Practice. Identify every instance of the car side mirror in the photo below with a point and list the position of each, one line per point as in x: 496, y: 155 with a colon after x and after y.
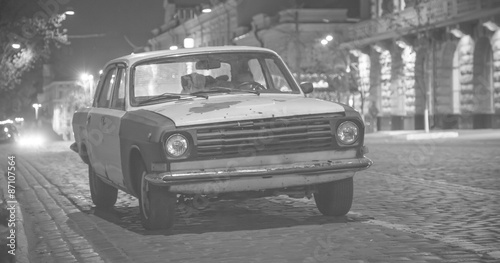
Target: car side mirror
x: 307, y: 87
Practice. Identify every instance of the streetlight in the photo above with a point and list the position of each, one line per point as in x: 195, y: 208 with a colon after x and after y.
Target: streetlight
x: 69, y: 11
x: 206, y: 9
x: 16, y: 46
x: 188, y: 42
x: 36, y: 106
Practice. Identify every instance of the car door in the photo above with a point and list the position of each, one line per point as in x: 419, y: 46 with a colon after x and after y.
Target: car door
x: 96, y: 122
x: 111, y: 126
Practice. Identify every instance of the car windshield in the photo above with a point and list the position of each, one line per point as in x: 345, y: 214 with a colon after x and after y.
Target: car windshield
x: 212, y: 74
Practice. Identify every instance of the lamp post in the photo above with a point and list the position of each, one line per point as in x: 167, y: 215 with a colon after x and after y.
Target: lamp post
x: 36, y: 106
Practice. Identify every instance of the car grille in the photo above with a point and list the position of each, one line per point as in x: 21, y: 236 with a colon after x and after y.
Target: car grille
x: 264, y: 137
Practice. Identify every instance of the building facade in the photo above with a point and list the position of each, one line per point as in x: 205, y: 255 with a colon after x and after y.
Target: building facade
x: 59, y: 100
x: 439, y: 56
x: 411, y: 60
x: 291, y: 28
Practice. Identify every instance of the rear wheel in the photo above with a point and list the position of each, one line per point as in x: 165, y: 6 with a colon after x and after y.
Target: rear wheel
x: 335, y: 198
x: 156, y: 203
x: 103, y: 195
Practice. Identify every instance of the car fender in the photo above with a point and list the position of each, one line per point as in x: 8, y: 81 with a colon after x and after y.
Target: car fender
x: 141, y: 130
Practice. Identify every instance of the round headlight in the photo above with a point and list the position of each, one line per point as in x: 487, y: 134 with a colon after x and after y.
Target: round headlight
x: 347, y: 133
x: 176, y: 145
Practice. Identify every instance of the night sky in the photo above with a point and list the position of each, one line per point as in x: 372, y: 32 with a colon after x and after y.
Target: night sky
x: 116, y: 19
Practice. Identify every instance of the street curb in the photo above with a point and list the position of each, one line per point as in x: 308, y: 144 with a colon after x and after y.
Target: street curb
x: 432, y: 135
x: 414, y: 135
x: 21, y: 238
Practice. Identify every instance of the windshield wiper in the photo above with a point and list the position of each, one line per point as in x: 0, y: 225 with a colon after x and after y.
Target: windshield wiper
x: 226, y: 90
x: 168, y: 95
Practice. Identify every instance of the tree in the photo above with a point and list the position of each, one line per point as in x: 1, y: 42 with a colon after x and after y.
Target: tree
x: 27, y: 40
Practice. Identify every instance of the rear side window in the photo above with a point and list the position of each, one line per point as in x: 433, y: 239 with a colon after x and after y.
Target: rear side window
x: 106, y: 89
x: 118, y: 101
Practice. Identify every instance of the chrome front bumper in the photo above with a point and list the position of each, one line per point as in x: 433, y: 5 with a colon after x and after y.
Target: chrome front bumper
x: 255, y: 178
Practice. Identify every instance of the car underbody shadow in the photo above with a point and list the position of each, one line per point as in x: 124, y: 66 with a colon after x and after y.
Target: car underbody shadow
x: 226, y: 216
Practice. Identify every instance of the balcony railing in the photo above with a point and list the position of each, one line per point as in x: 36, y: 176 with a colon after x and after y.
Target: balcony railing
x: 428, y: 15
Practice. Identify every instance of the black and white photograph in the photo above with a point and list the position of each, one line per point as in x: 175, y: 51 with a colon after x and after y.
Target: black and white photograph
x: 283, y: 131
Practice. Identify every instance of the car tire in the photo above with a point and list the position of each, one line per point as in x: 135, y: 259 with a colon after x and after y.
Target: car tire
x: 156, y: 203
x: 335, y: 198
x: 103, y: 195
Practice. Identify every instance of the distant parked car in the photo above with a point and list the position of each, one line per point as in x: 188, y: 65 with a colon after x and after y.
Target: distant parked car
x: 220, y: 121
x: 8, y: 133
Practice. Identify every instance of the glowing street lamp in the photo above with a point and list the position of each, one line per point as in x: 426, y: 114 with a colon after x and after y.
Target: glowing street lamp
x: 86, y: 76
x: 188, y: 42
x: 69, y: 11
x: 36, y: 106
x: 174, y: 47
x: 16, y: 46
x: 206, y: 9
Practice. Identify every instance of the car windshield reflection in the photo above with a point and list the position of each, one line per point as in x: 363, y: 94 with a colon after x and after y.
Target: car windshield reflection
x: 224, y: 72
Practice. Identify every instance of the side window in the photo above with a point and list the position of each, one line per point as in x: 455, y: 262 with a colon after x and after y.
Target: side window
x: 118, y: 101
x: 256, y: 70
x: 106, y: 88
x: 279, y: 80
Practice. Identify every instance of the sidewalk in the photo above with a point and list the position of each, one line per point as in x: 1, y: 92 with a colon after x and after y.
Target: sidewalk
x: 413, y: 135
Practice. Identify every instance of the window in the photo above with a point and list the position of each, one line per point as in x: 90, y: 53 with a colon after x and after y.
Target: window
x: 256, y: 69
x: 106, y: 88
x: 203, y: 72
x: 279, y: 80
x: 118, y: 101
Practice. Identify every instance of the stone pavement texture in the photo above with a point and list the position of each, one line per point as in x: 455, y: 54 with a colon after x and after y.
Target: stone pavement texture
x: 432, y: 201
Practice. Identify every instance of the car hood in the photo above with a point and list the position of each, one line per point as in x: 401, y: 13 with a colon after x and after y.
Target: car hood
x: 224, y: 108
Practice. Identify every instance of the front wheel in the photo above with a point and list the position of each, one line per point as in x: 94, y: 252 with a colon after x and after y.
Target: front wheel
x: 156, y: 203
x: 335, y: 198
x: 103, y: 195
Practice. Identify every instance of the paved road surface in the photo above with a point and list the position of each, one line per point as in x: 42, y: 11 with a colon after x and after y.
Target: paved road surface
x: 422, y: 201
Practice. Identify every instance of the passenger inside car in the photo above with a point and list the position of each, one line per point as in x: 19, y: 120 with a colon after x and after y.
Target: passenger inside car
x: 193, y: 82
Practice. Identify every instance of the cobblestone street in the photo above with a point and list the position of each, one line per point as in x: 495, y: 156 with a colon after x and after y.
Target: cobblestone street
x: 421, y: 201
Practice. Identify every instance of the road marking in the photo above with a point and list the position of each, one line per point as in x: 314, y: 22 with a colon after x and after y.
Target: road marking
x: 454, y: 241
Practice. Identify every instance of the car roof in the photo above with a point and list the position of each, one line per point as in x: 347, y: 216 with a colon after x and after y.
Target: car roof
x: 135, y: 57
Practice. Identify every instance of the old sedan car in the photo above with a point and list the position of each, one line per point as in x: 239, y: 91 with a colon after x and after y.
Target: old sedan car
x: 219, y: 122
